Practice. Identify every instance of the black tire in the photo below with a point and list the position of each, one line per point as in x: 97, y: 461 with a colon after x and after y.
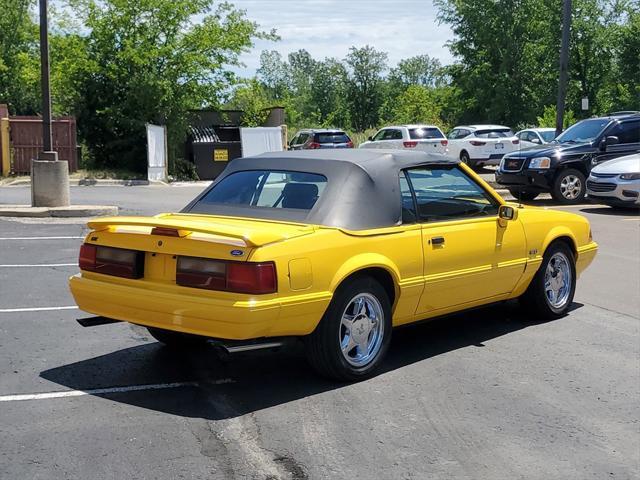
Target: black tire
x: 466, y: 159
x: 323, y: 345
x: 561, y: 194
x: 176, y: 340
x: 526, y: 195
x: 535, y: 299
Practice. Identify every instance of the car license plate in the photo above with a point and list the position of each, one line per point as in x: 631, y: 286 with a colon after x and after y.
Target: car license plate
x: 499, y: 146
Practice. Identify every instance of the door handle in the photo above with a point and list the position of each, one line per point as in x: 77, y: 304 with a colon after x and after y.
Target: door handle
x: 437, y: 240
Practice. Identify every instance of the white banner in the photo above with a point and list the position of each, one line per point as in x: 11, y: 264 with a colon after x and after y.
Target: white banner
x: 156, y: 152
x: 260, y: 140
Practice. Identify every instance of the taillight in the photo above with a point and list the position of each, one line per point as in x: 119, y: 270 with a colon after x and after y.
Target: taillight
x: 349, y: 144
x: 240, y: 277
x: 314, y: 145
x: 118, y: 262
x: 515, y: 142
x: 409, y: 144
x: 476, y: 143
x: 167, y: 232
x: 87, y: 259
x: 444, y: 143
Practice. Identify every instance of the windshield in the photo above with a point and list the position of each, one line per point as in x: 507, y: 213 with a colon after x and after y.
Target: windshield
x: 549, y: 135
x: 265, y: 188
x: 584, y: 131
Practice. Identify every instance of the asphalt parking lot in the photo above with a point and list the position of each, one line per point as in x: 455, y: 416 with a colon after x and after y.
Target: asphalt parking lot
x: 483, y: 394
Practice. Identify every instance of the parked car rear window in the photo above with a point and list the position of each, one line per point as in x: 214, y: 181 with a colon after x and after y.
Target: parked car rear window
x: 494, y: 133
x: 548, y: 135
x: 267, y: 188
x: 333, y: 137
x: 424, y: 133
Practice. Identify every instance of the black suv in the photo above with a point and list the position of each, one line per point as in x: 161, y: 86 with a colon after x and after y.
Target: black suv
x: 320, y: 138
x: 562, y: 166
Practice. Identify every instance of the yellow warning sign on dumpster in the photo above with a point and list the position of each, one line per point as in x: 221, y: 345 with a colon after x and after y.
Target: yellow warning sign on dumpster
x: 221, y: 155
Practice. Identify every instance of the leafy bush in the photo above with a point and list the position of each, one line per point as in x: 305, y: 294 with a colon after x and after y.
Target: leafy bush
x: 184, y: 170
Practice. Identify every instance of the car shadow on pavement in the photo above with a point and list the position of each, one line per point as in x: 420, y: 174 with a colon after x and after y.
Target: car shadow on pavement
x: 249, y: 382
x: 620, y: 212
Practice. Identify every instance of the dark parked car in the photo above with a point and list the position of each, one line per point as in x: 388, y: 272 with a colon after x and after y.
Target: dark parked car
x: 320, y: 138
x: 562, y: 166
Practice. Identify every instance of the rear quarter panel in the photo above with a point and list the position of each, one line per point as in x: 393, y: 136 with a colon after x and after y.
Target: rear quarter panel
x: 333, y: 255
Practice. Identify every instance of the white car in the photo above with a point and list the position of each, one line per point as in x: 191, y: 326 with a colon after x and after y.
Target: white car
x: 534, y: 137
x: 616, y: 182
x: 426, y: 138
x: 478, y: 145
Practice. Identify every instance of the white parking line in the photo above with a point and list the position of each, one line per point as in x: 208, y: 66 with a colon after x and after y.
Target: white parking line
x: 104, y: 391
x: 40, y: 238
x: 36, y: 309
x: 41, y: 265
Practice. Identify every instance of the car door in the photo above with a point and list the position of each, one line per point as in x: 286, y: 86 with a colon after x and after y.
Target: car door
x: 293, y: 142
x: 469, y: 257
x: 393, y: 139
x: 377, y: 139
x: 454, y: 143
x: 628, y: 135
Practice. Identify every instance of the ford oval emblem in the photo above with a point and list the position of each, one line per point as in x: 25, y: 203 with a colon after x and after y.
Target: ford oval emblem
x: 237, y: 253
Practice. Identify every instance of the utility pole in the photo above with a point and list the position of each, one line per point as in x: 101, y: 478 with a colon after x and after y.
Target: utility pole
x: 49, y: 176
x: 44, y: 77
x: 564, y: 65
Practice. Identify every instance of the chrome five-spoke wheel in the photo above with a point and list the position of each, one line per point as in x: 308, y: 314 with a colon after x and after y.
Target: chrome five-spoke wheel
x: 557, y: 280
x: 353, y: 336
x: 361, y: 330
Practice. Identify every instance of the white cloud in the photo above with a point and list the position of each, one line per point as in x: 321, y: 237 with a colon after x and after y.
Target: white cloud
x: 328, y: 28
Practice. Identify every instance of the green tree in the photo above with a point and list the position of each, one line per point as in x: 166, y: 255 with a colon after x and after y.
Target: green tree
x: 149, y: 61
x: 419, y: 70
x: 416, y: 104
x: 251, y: 97
x: 19, y: 57
x: 366, y: 67
x: 507, y: 57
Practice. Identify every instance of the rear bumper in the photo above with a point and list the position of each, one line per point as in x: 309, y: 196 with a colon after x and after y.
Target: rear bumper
x: 531, y: 179
x: 227, y: 318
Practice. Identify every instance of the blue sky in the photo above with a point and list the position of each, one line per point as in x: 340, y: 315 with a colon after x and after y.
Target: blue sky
x: 327, y: 28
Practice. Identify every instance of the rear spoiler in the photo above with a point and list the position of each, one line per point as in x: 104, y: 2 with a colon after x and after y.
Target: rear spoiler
x: 251, y: 237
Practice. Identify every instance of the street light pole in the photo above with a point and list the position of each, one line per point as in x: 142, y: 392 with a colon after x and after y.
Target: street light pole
x: 44, y: 77
x: 564, y: 65
x: 49, y: 176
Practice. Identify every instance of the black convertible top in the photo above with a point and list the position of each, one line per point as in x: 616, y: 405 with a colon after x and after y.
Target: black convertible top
x: 362, y: 192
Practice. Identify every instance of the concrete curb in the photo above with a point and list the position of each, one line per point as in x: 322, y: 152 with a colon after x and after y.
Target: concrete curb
x: 88, y: 182
x: 60, y: 212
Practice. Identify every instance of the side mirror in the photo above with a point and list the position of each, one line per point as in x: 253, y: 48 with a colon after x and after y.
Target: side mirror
x: 370, y: 138
x: 536, y: 140
x: 507, y: 212
x: 610, y: 140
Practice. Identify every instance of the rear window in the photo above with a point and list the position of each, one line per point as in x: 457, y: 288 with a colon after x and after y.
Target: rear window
x: 332, y: 137
x: 267, y: 188
x: 547, y: 136
x: 424, y: 133
x: 494, y: 133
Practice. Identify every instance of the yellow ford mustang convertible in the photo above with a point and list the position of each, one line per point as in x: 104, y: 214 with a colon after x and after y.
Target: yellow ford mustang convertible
x: 334, y: 247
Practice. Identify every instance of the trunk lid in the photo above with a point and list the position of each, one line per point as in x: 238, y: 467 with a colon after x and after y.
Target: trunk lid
x: 229, y: 230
